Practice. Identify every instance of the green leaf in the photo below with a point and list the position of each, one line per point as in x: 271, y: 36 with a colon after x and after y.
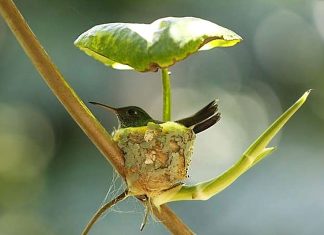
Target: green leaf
x: 254, y: 154
x: 148, y: 47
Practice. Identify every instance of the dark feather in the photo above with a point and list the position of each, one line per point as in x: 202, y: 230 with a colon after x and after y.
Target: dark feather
x: 203, y: 119
x: 207, y: 123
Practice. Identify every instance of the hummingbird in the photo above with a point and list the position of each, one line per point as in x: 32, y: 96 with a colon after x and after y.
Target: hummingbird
x: 133, y: 116
x: 168, y: 174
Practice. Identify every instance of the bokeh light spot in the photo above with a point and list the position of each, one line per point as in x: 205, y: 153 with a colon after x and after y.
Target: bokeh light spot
x: 289, y: 49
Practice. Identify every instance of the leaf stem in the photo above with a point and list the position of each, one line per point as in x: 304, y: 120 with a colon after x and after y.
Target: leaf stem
x: 74, y: 105
x: 166, y: 94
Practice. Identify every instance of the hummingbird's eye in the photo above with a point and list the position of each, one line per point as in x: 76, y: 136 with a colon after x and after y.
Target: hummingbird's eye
x: 132, y: 112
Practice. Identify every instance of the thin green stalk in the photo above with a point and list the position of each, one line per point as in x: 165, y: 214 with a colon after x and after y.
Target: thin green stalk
x: 166, y: 94
x: 74, y: 105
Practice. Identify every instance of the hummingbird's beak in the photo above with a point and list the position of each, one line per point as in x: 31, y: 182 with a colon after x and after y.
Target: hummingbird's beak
x: 104, y: 106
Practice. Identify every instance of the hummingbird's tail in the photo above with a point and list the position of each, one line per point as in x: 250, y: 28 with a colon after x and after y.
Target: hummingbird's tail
x: 203, y: 119
x: 207, y: 123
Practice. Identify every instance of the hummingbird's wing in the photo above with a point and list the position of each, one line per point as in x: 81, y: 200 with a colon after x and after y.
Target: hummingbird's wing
x: 203, y: 119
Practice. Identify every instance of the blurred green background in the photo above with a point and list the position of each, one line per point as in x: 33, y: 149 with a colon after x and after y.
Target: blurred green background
x: 52, y: 178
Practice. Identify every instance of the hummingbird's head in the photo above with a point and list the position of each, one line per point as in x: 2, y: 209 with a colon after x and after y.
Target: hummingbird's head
x: 130, y: 116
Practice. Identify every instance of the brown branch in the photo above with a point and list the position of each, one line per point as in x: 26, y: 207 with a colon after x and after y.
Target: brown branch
x: 103, y: 209
x: 171, y: 221
x: 74, y: 105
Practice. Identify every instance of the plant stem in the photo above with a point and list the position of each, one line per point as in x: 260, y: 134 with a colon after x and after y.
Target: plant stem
x: 171, y: 221
x: 54, y: 79
x: 166, y: 95
x: 103, y: 209
x: 74, y: 105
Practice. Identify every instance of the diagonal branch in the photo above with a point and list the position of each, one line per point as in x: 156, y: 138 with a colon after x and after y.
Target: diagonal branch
x: 54, y: 79
x: 73, y: 104
x: 103, y: 209
x: 171, y: 220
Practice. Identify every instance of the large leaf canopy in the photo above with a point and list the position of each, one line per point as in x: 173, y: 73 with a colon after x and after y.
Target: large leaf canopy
x: 148, y: 47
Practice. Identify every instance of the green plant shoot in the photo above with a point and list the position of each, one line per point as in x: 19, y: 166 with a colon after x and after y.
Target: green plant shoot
x: 254, y: 154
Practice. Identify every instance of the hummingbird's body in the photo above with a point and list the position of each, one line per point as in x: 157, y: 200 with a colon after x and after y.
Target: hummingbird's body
x: 133, y: 116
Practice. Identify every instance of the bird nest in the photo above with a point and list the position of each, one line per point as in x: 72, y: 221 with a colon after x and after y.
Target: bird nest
x: 157, y: 156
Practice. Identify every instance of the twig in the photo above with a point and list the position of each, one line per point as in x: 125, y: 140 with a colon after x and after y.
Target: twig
x: 103, y: 209
x: 171, y: 221
x: 74, y: 105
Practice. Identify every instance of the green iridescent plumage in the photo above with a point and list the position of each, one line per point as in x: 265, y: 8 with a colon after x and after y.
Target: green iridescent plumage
x: 133, y: 116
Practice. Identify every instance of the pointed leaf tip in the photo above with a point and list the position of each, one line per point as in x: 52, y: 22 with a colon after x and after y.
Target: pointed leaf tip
x: 148, y: 47
x: 306, y: 94
x: 253, y: 155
